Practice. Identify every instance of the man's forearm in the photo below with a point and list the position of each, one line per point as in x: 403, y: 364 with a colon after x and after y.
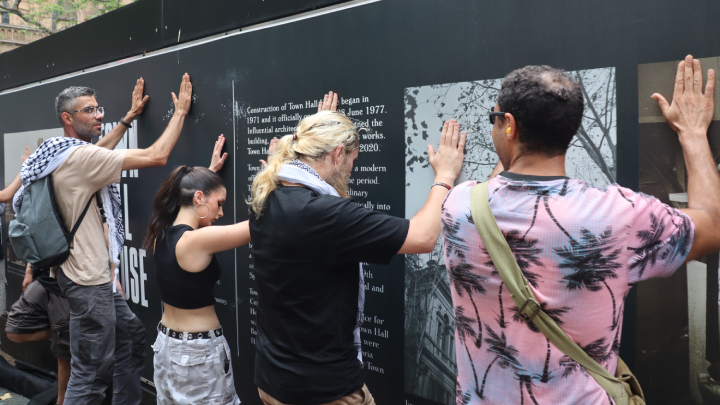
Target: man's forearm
x: 425, y: 226
x: 162, y: 148
x: 7, y: 194
x: 113, y: 137
x: 428, y: 218
x: 703, y: 180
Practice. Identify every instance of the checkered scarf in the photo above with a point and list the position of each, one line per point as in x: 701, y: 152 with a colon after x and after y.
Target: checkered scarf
x: 301, y: 173
x: 48, y: 157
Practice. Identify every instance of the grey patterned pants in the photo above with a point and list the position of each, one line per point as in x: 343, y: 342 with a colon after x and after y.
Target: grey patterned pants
x: 189, y: 372
x: 107, y: 343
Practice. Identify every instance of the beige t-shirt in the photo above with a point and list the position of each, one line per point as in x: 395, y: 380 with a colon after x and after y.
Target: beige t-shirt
x: 79, y: 177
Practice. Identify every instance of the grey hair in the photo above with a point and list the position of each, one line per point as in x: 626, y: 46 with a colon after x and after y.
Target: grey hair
x: 65, y: 101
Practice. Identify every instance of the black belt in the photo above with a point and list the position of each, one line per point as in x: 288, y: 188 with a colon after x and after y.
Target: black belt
x: 191, y: 336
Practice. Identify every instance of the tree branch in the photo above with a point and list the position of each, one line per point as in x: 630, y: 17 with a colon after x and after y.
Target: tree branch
x: 594, y: 153
x: 605, y: 131
x: 51, y: 9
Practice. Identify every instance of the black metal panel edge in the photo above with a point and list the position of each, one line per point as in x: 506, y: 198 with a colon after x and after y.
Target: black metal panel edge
x: 3, y: 70
x: 143, y: 26
x: 187, y: 20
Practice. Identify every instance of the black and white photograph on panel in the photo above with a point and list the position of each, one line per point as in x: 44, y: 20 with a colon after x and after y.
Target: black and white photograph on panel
x: 430, y: 341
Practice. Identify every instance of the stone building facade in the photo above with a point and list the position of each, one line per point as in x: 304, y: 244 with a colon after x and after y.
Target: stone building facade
x: 430, y: 365
x: 15, y: 32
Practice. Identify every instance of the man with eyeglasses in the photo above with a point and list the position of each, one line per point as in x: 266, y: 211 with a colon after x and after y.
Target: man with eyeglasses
x: 107, y: 340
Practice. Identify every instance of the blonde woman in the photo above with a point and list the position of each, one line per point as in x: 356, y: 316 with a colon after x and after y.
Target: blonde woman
x: 308, y: 242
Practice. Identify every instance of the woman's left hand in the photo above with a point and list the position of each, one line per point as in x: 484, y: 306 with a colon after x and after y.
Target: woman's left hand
x: 218, y: 158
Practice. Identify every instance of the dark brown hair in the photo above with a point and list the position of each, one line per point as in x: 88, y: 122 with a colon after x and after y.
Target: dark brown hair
x: 547, y: 104
x: 177, y: 191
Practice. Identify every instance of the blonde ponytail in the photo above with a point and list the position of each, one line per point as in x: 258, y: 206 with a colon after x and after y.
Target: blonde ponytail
x: 315, y: 137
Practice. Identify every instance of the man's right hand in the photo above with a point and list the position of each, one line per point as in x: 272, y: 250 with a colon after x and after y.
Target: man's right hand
x: 28, y: 277
x: 425, y: 226
x: 691, y: 111
x: 182, y: 103
x: 448, y: 160
x: 26, y: 282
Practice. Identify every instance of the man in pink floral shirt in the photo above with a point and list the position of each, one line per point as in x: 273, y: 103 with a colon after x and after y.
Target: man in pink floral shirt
x: 580, y: 248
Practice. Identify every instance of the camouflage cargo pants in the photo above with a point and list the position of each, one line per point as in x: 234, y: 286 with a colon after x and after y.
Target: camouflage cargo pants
x: 189, y: 372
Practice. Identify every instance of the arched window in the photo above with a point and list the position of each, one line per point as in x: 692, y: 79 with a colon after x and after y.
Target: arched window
x: 446, y: 334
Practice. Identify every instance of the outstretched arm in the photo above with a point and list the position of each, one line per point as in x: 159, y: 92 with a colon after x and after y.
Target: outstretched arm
x: 111, y: 140
x: 7, y: 194
x: 195, y: 249
x: 159, y: 152
x: 690, y: 115
x: 447, y: 163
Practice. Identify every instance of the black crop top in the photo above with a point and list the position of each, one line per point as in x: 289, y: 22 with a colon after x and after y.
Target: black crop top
x: 179, y: 288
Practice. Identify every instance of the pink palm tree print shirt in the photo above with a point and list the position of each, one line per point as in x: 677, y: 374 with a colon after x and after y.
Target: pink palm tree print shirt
x: 581, y: 249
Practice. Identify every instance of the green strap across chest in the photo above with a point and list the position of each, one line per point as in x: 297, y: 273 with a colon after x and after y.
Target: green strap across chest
x: 524, y: 298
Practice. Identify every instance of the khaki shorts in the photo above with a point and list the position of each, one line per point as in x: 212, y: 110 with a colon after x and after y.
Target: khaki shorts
x: 359, y: 397
x: 36, y: 310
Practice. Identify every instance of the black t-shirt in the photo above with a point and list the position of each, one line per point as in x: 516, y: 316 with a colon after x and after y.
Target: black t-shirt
x: 307, y: 248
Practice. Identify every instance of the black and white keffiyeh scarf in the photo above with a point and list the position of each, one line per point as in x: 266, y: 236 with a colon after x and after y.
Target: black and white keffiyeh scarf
x: 48, y: 157
x: 301, y: 173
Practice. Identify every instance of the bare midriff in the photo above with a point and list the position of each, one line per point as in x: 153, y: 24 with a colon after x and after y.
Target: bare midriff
x: 190, y: 320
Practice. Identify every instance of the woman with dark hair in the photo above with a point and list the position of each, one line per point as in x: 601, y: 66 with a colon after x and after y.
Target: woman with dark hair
x: 192, y: 357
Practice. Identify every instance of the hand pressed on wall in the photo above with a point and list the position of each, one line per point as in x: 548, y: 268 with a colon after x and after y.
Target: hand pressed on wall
x: 691, y: 111
x: 182, y: 102
x: 138, y: 100
x: 218, y: 158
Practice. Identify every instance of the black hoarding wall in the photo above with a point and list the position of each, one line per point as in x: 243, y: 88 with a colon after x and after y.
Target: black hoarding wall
x: 139, y: 27
x: 400, y: 67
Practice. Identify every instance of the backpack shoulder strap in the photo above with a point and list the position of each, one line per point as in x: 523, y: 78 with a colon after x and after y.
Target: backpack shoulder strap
x: 71, y: 236
x: 53, y: 201
x: 524, y: 298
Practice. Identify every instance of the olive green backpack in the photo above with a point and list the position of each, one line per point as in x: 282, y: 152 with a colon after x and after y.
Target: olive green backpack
x: 623, y: 388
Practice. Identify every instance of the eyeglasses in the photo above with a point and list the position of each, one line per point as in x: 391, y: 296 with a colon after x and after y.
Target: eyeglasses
x: 494, y: 114
x: 90, y: 110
